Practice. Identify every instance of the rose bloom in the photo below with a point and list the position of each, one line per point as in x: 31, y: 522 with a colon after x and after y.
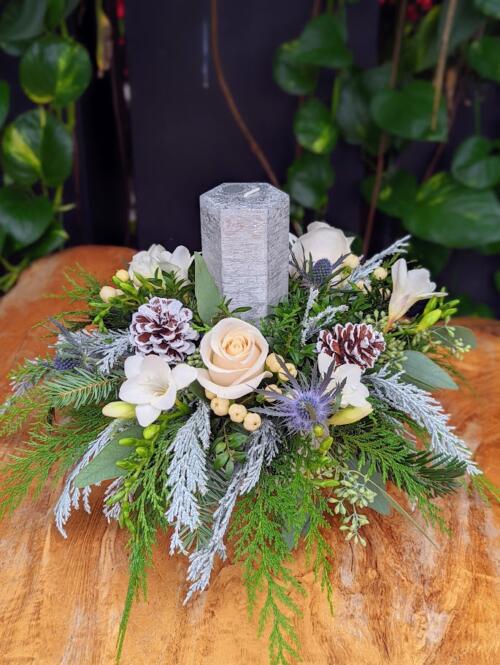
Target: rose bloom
x: 234, y: 353
x: 321, y: 241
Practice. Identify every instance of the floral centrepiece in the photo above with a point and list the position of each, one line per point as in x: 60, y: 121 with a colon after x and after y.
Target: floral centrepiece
x: 261, y: 434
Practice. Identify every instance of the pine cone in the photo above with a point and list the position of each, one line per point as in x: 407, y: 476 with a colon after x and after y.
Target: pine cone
x: 354, y: 343
x: 162, y: 327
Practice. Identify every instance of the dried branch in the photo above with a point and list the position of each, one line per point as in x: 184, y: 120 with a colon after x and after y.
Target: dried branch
x: 441, y: 64
x: 228, y: 96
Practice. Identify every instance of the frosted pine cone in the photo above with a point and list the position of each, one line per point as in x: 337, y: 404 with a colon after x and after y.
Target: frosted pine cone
x: 162, y: 326
x: 354, y: 343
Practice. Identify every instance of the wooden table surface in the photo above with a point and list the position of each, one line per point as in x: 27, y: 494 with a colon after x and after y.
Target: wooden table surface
x: 398, y: 602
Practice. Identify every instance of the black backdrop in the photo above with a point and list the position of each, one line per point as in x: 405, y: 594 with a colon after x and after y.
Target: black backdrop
x: 184, y: 140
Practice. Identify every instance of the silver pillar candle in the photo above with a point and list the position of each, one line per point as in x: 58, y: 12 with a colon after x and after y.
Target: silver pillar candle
x: 244, y: 235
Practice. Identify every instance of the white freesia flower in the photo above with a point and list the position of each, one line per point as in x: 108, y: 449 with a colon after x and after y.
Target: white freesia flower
x: 408, y: 286
x: 354, y: 393
x: 321, y: 241
x: 147, y: 262
x: 152, y: 386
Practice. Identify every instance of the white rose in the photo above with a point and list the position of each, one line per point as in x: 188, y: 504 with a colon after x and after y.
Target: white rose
x: 321, y: 241
x: 354, y: 393
x: 234, y: 353
x: 147, y: 262
x: 408, y: 286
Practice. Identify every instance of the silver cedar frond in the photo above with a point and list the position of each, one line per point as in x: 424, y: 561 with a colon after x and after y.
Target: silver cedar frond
x: 262, y: 448
x: 365, y: 269
x: 313, y: 294
x: 112, y: 511
x: 313, y: 324
x: 99, y: 350
x: 71, y: 495
x: 426, y: 411
x: 187, y: 474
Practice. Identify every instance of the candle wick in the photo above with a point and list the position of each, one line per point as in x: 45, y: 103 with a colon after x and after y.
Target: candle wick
x: 251, y: 192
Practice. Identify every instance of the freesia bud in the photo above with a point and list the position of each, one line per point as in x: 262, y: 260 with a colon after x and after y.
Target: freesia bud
x: 119, y: 410
x: 429, y: 320
x: 108, y: 292
x: 351, y: 414
x: 122, y: 275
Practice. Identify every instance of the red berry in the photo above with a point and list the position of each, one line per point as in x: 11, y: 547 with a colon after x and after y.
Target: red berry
x: 412, y: 13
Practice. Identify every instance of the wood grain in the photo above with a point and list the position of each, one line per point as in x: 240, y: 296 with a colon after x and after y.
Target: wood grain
x: 399, y: 602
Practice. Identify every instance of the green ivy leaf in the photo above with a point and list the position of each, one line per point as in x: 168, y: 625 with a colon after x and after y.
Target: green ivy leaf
x: 353, y: 115
x: 291, y: 75
x: 314, y: 128
x: 55, y: 70
x: 309, y: 179
x: 24, y: 216
x: 323, y: 43
x: 452, y: 215
x: 20, y: 22
x: 422, y: 51
x: 423, y: 372
x: 407, y: 112
x: 484, y: 56
x: 431, y: 256
x: 470, y: 307
x: 474, y: 166
x: 208, y: 297
x: 103, y: 466
x: 488, y: 7
x: 57, y: 10
x: 397, y: 193
x: 37, y: 146
x: 4, y: 101
x: 53, y: 238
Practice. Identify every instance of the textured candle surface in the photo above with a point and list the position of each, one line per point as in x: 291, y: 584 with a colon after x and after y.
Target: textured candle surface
x: 244, y: 232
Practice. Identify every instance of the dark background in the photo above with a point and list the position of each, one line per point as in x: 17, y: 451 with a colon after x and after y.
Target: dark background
x: 142, y: 166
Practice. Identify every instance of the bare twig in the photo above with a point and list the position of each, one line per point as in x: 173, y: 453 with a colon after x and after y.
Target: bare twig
x: 228, y: 96
x: 382, y: 146
x: 441, y: 64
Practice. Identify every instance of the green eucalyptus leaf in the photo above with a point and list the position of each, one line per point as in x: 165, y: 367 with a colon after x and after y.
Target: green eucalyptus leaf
x: 293, y: 76
x: 407, y: 112
x: 309, y: 179
x: 24, y: 216
x: 423, y: 372
x: 37, y: 146
x: 323, y: 43
x: 20, y: 22
x: 55, y: 70
x: 4, y: 101
x: 103, y: 466
x: 397, y: 193
x: 484, y: 56
x: 447, y: 334
x: 314, y: 128
x: 488, y: 7
x: 474, y: 165
x: 208, y: 297
x: 447, y: 213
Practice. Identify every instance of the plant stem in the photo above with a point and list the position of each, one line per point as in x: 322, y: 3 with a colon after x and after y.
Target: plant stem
x: 228, y: 96
x: 383, y: 143
x: 441, y: 65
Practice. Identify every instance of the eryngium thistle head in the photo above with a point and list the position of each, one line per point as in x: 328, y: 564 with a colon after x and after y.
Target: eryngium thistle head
x: 62, y: 364
x: 162, y: 326
x: 315, y: 274
x: 304, y: 404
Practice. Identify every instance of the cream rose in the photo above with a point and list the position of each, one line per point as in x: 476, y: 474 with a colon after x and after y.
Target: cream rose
x: 234, y: 353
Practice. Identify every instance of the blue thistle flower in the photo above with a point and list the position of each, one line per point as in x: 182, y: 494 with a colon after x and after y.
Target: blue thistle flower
x: 314, y: 274
x: 62, y: 364
x: 304, y: 404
